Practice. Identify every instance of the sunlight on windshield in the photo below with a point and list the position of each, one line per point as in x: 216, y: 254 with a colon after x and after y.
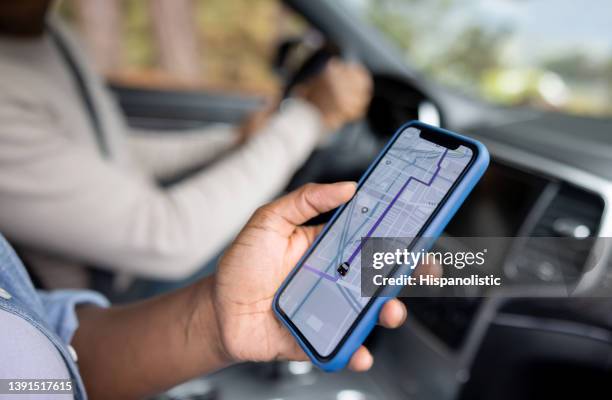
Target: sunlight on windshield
x: 550, y: 54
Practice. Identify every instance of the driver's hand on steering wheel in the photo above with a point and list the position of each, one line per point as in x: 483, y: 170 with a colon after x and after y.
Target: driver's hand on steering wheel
x: 341, y: 91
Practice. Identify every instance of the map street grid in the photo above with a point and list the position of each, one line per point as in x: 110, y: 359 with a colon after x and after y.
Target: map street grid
x: 396, y: 200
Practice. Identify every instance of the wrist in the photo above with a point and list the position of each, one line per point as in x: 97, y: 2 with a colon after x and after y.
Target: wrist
x: 204, y: 326
x: 326, y: 119
x: 309, y: 112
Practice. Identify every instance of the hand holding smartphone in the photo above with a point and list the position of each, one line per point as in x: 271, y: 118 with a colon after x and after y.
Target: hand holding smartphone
x: 412, y: 189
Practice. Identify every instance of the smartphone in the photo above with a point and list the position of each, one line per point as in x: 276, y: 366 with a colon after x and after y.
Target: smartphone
x: 412, y: 189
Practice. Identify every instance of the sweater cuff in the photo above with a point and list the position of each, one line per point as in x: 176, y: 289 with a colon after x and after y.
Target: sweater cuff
x: 308, y: 115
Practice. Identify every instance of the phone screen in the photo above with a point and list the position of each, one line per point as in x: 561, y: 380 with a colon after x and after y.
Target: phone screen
x: 400, y: 194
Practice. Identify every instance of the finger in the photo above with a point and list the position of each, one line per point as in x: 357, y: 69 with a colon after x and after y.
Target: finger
x: 354, y: 107
x: 293, y: 352
x: 362, y: 360
x: 393, y: 314
x: 333, y: 67
x: 306, y: 203
x: 288, y: 348
x: 431, y: 269
x: 360, y: 76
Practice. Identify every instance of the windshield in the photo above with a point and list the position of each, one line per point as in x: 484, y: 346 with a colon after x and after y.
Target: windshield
x: 549, y: 54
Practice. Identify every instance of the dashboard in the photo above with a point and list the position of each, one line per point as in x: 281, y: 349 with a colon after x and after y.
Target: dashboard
x: 550, y: 176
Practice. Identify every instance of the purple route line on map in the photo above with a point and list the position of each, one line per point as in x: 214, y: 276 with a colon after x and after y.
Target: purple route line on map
x: 378, y: 221
x: 321, y: 273
x: 399, y: 193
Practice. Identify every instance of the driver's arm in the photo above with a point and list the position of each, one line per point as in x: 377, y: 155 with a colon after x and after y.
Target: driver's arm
x: 61, y: 197
x: 166, y: 155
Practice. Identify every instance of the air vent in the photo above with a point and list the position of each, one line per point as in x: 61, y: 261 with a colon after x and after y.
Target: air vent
x: 571, y: 214
x: 570, y: 204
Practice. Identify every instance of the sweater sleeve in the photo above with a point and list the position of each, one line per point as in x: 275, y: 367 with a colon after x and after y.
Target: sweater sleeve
x: 166, y: 155
x: 63, y: 198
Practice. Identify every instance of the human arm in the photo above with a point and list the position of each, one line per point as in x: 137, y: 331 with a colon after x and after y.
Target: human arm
x: 59, y: 196
x: 137, y: 350
x: 340, y: 94
x: 168, y: 154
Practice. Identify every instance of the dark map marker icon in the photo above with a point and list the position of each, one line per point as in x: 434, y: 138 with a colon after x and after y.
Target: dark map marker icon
x: 343, y: 268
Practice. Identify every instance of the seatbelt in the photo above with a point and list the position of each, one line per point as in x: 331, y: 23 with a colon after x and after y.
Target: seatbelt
x: 99, y: 278
x: 84, y: 91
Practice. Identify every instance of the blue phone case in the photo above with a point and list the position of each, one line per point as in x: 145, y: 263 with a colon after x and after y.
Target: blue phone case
x: 432, y: 231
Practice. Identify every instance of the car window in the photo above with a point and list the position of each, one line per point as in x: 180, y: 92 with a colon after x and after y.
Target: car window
x: 216, y: 45
x: 549, y: 54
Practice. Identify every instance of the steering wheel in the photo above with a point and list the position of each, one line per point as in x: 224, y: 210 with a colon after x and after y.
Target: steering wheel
x: 346, y: 153
x: 309, y: 67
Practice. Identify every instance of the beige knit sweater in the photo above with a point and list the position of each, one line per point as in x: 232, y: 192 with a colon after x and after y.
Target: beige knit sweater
x: 64, y: 203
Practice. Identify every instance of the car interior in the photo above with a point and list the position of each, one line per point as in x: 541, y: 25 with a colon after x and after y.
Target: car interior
x: 550, y: 175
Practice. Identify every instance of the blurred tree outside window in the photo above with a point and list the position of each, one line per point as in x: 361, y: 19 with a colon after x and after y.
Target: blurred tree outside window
x: 215, y: 45
x: 549, y: 54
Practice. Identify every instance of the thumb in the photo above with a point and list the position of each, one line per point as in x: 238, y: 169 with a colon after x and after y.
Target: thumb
x: 303, y: 204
